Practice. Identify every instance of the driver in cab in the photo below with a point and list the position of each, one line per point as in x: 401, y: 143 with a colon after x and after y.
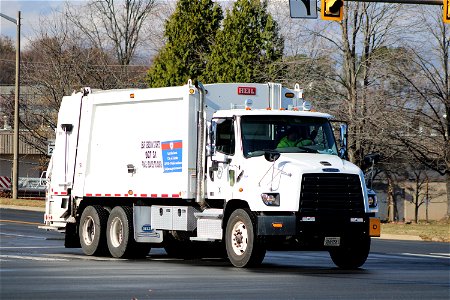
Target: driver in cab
x: 295, y: 138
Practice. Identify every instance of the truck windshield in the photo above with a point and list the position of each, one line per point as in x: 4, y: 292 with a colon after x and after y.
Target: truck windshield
x: 286, y: 134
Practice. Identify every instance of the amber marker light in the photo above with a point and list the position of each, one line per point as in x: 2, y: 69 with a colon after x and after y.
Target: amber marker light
x: 277, y: 225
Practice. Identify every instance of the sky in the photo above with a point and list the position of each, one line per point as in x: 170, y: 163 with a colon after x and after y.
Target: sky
x: 31, y: 10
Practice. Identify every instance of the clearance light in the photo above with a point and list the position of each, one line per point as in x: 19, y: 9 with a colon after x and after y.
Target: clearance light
x: 289, y: 95
x: 132, y: 96
x: 191, y: 91
x: 268, y: 108
x: 241, y: 190
x: 282, y: 108
x: 130, y: 192
x: 248, y: 104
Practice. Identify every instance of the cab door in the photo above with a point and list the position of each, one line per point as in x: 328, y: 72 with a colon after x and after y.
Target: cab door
x: 221, y: 175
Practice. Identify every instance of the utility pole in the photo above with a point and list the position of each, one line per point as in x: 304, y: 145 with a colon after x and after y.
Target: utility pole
x: 15, y: 175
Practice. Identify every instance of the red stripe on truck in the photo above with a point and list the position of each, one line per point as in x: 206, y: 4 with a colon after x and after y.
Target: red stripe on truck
x: 128, y: 195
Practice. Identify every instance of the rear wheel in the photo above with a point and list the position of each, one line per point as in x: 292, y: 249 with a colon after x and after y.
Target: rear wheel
x: 92, y: 230
x: 120, y: 234
x: 353, y: 255
x: 244, y: 249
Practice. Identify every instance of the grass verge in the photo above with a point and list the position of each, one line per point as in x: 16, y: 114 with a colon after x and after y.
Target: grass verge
x: 23, y: 202
x: 438, y: 231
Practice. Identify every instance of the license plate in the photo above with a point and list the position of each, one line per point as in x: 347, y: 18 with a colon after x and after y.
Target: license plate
x: 332, y: 241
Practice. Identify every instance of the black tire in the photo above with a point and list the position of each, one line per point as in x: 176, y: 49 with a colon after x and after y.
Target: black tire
x: 92, y: 230
x: 352, y: 256
x: 120, y: 235
x: 244, y: 248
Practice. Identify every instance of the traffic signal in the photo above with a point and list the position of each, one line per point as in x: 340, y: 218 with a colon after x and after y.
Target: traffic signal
x: 446, y: 11
x: 333, y: 10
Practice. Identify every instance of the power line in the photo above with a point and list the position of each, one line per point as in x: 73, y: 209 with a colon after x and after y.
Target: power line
x: 91, y: 65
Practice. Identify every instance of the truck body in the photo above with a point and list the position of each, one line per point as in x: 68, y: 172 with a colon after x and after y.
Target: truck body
x: 196, y: 168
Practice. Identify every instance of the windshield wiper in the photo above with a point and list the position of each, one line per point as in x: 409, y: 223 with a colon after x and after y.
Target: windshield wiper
x: 258, y: 152
x: 309, y: 150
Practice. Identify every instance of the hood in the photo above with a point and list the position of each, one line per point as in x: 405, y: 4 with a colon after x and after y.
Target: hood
x: 319, y: 163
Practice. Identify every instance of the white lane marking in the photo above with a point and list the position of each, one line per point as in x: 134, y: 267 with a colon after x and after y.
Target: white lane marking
x: 443, y: 254
x: 426, y: 255
x: 85, y: 257
x: 32, y: 258
x: 33, y: 247
x: 405, y: 256
x: 26, y: 236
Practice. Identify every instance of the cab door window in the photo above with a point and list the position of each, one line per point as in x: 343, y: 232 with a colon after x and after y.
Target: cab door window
x: 225, y: 139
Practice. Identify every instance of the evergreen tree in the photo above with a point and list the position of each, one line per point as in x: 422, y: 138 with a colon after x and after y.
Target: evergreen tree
x: 247, y: 45
x: 189, y: 33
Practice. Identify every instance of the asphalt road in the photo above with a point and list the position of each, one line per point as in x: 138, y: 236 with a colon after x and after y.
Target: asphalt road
x: 35, y: 265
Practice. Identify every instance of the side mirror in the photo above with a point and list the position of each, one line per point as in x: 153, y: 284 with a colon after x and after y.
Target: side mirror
x: 343, y: 141
x: 211, y: 145
x: 67, y: 127
x: 343, y: 135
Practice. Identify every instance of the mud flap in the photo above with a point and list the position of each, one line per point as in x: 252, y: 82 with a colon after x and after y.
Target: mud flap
x: 72, y: 239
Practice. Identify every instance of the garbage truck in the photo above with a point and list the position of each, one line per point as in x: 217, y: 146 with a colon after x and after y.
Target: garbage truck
x: 201, y: 170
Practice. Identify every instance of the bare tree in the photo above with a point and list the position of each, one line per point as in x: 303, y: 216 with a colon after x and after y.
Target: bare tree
x: 7, y: 60
x: 113, y: 25
x: 425, y: 112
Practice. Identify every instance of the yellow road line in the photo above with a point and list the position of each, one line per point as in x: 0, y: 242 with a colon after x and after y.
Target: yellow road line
x: 21, y: 222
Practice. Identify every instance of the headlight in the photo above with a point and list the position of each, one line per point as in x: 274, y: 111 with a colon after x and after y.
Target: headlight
x: 272, y: 199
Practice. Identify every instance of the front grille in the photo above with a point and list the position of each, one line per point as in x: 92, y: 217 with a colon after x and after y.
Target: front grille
x: 336, y: 194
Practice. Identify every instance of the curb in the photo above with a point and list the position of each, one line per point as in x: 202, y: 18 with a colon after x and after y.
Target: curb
x: 400, y: 237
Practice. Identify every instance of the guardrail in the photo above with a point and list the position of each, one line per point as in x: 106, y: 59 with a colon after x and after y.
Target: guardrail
x: 27, y: 187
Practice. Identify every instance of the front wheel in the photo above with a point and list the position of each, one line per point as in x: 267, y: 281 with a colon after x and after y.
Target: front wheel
x: 352, y: 256
x: 244, y: 249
